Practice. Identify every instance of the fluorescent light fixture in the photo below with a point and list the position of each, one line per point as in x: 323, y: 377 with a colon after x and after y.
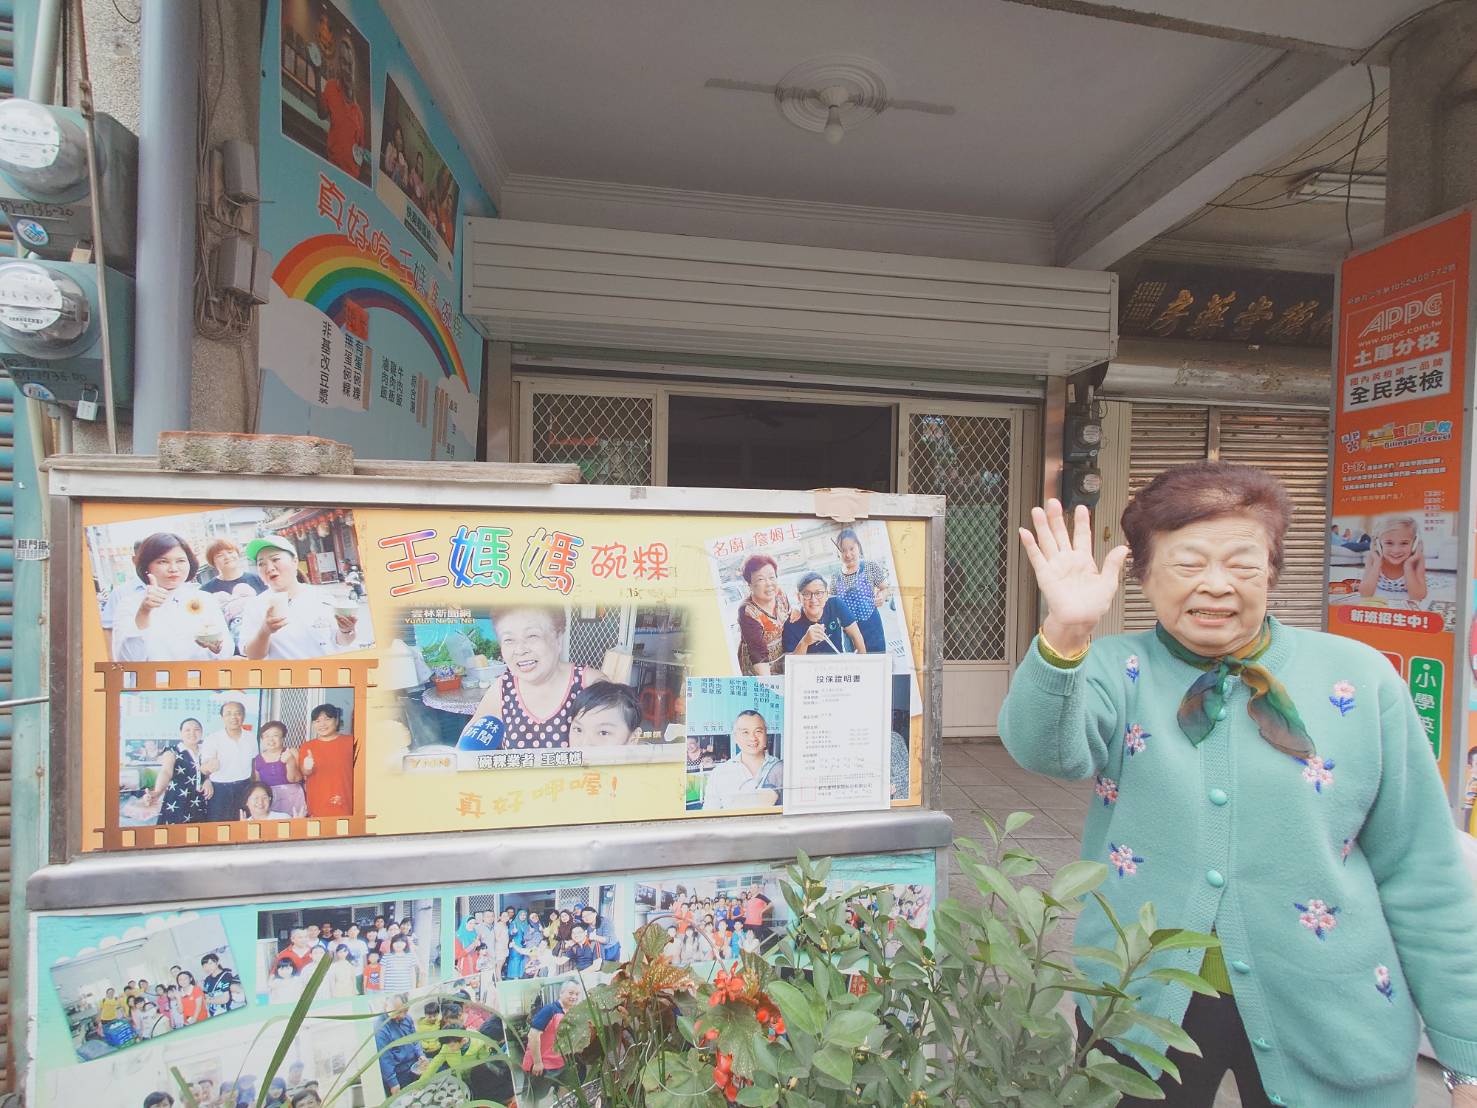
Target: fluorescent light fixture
x: 1333, y: 187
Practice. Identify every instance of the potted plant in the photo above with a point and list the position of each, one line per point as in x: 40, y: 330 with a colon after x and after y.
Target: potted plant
x: 447, y: 679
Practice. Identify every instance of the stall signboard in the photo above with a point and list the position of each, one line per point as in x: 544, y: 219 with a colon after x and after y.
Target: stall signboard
x: 126, y: 1005
x: 1396, y: 579
x: 277, y: 672
x: 365, y: 191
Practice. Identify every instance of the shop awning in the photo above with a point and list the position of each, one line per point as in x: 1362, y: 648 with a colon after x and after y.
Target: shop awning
x: 588, y: 286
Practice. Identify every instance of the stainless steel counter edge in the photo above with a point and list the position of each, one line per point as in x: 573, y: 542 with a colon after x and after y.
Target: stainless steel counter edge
x: 211, y: 873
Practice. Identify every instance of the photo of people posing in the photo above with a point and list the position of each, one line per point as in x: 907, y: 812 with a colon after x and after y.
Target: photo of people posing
x: 178, y: 972
x: 325, y: 85
x: 807, y: 588
x: 196, y: 756
x: 543, y: 933
x: 373, y: 949
x: 734, y: 757
x: 715, y: 919
x: 1405, y: 561
x: 539, y: 687
x: 410, y: 162
x: 249, y: 582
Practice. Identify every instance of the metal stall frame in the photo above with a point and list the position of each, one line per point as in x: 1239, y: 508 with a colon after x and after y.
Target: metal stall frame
x: 77, y: 880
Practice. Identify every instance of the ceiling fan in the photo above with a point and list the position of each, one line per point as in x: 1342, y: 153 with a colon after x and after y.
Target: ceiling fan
x: 830, y: 94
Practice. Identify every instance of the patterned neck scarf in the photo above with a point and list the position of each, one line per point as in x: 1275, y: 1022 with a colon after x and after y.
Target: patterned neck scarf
x: 1270, y: 707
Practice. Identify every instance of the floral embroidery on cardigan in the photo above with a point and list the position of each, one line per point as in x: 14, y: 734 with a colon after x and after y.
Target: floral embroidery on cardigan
x: 1347, y: 849
x: 1131, y: 667
x: 1317, y: 917
x: 1343, y: 697
x: 1106, y: 788
x: 1382, y: 983
x: 1133, y: 739
x: 1123, y: 859
x: 1317, y: 771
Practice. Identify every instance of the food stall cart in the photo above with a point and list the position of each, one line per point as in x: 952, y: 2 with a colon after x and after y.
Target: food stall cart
x: 440, y: 704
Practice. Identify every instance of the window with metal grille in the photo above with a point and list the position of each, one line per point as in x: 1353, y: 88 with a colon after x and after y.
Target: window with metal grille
x: 967, y: 459
x: 589, y: 639
x: 1291, y: 445
x: 609, y: 437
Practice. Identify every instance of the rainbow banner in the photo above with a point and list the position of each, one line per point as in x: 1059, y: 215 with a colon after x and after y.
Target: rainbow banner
x: 366, y: 191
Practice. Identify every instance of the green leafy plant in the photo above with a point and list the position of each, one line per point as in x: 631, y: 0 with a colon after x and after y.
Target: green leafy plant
x: 856, y: 1005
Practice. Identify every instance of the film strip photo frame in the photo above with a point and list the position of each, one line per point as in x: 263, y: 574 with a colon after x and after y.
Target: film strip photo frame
x: 121, y: 678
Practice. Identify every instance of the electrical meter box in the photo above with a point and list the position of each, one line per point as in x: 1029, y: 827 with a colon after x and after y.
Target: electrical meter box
x: 51, y: 336
x: 44, y: 187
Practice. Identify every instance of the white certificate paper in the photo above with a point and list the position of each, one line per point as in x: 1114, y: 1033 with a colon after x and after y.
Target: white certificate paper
x: 838, y: 731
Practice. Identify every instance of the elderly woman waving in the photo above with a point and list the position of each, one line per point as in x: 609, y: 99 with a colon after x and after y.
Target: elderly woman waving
x: 1268, y: 784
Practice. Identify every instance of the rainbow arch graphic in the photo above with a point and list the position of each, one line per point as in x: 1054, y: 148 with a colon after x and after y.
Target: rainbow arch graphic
x: 328, y: 270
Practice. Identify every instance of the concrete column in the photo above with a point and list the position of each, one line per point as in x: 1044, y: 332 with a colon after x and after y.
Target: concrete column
x: 1433, y: 119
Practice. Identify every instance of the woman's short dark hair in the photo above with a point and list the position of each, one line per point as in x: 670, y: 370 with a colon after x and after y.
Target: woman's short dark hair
x: 329, y: 710
x: 808, y: 580
x: 1199, y: 491
x: 757, y: 562
x: 155, y: 547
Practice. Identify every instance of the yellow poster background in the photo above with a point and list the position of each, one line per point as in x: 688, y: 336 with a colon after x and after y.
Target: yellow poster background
x: 398, y: 802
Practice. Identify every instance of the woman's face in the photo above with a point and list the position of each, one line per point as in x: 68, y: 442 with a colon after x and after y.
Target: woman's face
x: 228, y: 563
x: 324, y: 725
x: 171, y: 569
x: 284, y: 969
x: 764, y: 585
x: 530, y: 644
x: 851, y: 555
x: 813, y: 600
x: 1397, y: 543
x: 190, y: 733
x: 277, y: 568
x: 183, y: 980
x: 1208, y: 583
x: 259, y: 803
x: 272, y: 740
x: 749, y: 735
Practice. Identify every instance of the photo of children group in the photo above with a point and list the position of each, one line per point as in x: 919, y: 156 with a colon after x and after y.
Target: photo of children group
x: 218, y: 756
x: 325, y: 85
x: 539, y: 687
x: 542, y: 933
x: 171, y: 973
x: 375, y: 948
x: 1401, y: 560
x: 410, y: 163
x: 715, y: 919
x: 506, y: 961
x: 247, y: 582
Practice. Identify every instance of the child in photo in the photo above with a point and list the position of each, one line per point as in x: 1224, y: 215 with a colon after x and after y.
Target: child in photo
x: 605, y: 714
x: 1395, y: 567
x: 286, y: 985
x: 373, y: 974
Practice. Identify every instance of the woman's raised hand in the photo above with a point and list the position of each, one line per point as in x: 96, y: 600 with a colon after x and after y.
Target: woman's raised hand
x: 1077, y: 592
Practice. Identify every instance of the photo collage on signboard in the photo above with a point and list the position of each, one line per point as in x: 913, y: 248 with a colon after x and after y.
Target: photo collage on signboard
x: 128, y: 1000
x: 271, y: 672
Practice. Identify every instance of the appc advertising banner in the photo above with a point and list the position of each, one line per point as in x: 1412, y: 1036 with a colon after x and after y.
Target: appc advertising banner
x: 128, y: 1006
x: 364, y: 193
x: 1394, y: 579
x: 263, y: 672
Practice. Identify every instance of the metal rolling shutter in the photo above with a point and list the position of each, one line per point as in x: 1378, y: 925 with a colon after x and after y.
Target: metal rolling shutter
x: 8, y: 397
x: 1161, y: 436
x: 1293, y: 447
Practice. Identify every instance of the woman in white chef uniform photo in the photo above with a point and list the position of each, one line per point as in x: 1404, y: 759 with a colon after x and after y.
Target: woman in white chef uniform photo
x: 170, y: 619
x: 293, y: 619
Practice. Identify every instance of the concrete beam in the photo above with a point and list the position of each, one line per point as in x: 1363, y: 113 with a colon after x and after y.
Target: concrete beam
x: 1293, y: 100
x: 1161, y: 22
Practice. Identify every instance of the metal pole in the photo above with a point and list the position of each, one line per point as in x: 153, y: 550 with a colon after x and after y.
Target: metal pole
x: 43, y: 62
x: 169, y: 89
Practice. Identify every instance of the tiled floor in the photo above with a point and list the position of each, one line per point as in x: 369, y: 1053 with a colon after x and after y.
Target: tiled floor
x: 981, y: 776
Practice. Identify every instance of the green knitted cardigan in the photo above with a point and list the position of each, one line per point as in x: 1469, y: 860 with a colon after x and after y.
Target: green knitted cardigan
x: 1336, y: 884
